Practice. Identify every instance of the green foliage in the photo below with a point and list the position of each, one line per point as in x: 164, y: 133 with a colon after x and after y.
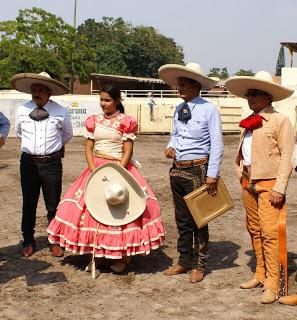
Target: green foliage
x: 40, y: 41
x: 37, y: 41
x: 37, y: 28
x: 243, y: 72
x: 123, y: 49
x: 26, y: 59
x: 109, y: 42
x: 149, y: 50
x: 221, y: 73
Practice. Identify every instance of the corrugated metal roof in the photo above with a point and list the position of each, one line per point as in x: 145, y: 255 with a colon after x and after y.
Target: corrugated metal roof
x: 116, y: 77
x: 290, y: 45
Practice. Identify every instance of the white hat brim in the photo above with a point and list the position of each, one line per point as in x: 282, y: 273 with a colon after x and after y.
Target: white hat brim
x: 239, y: 85
x: 121, y: 214
x: 23, y: 82
x: 170, y: 73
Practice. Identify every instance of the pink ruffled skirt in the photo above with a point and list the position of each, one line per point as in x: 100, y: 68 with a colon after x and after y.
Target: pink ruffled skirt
x: 77, y: 231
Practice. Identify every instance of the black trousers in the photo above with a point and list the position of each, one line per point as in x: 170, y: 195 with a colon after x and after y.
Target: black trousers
x: 36, y: 175
x: 192, y: 243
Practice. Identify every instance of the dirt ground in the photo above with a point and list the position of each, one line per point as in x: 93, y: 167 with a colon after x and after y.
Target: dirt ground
x: 45, y: 287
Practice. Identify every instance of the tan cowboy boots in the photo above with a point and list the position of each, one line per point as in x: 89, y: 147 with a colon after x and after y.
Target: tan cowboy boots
x: 250, y: 284
x: 289, y: 300
x: 269, y: 296
x: 195, y: 276
x: 175, y: 270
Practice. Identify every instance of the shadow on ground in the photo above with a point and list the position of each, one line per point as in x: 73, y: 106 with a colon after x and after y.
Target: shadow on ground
x: 155, y: 262
x: 13, y: 266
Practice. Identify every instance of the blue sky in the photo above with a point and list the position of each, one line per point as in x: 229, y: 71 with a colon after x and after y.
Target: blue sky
x: 231, y: 33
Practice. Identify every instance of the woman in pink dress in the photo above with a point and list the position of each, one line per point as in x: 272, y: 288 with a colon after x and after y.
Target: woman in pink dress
x: 110, y: 137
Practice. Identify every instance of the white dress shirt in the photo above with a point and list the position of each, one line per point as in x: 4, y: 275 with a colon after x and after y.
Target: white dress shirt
x: 246, y: 148
x: 43, y: 137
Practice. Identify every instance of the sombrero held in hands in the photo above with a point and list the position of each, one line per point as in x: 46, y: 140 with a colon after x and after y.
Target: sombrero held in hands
x: 23, y: 82
x: 239, y: 85
x: 113, y: 197
x: 170, y: 73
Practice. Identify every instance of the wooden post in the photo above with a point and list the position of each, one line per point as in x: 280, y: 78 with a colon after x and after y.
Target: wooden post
x: 291, y: 57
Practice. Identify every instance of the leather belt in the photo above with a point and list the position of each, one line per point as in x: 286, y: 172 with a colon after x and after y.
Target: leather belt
x: 105, y: 156
x: 43, y: 159
x: 190, y: 163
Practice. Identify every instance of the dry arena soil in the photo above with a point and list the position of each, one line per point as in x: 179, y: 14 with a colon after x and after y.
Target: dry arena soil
x: 44, y: 287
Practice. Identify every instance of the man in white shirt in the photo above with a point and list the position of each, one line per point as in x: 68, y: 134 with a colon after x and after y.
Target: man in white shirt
x: 151, y: 103
x: 44, y: 128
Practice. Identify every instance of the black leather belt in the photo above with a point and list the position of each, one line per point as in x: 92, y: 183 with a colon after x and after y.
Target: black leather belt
x: 45, y: 158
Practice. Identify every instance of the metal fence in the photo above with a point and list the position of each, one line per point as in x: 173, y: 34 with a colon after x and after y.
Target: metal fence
x: 171, y: 93
x: 163, y: 117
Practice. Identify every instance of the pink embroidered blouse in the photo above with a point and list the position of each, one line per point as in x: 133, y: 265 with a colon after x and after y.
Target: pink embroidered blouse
x: 109, y: 132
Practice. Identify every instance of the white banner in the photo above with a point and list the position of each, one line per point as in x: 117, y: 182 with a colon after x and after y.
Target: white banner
x: 79, y: 107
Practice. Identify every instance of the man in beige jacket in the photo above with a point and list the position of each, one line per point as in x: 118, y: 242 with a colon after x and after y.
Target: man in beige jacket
x: 264, y: 163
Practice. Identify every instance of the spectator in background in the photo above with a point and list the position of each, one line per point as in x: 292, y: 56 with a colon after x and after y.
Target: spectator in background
x: 123, y: 96
x: 151, y: 103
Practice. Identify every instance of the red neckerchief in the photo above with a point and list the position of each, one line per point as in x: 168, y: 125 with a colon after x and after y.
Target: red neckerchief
x: 252, y: 122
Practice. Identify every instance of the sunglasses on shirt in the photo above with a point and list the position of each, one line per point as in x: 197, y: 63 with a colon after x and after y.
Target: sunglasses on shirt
x: 255, y: 93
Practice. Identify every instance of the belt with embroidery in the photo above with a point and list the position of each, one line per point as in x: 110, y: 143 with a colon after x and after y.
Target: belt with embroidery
x: 190, y: 163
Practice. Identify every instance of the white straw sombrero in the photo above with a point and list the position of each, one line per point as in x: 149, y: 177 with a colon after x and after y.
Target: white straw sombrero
x: 113, y: 197
x: 170, y: 73
x: 239, y: 85
x: 23, y: 82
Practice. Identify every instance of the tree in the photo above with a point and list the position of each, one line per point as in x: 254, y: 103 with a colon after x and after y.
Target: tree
x: 121, y: 48
x: 149, y: 50
x: 221, y: 73
x: 281, y: 62
x: 26, y: 59
x: 109, y: 41
x: 37, y: 39
x: 243, y: 72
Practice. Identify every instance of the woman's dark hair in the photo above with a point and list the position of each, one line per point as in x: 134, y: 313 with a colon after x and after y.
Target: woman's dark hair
x: 115, y: 93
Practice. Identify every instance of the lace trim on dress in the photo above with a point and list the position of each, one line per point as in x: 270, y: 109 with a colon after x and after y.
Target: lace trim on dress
x: 127, y: 136
x: 111, y: 116
x: 105, y: 231
x: 88, y: 135
x: 127, y: 246
x: 112, y: 121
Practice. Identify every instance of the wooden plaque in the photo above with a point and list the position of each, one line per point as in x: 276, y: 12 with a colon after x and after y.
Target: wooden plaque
x: 205, y: 207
